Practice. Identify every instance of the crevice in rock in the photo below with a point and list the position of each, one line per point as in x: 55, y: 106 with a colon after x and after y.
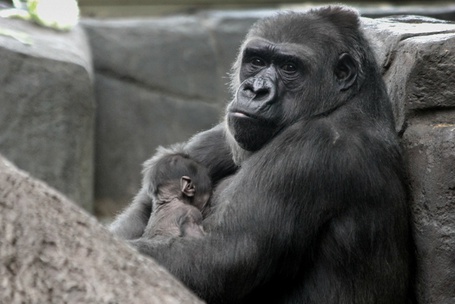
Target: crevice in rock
x: 154, y: 89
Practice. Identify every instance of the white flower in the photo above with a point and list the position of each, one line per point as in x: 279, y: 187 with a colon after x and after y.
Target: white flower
x: 58, y: 14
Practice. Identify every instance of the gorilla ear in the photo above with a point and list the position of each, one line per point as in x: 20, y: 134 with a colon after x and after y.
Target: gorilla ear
x: 187, y: 186
x: 345, y: 71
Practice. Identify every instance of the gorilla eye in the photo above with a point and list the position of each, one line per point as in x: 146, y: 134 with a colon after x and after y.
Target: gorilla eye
x: 257, y: 62
x: 289, y: 67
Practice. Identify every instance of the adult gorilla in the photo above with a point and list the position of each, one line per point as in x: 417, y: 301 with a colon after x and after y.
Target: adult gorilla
x: 315, y: 206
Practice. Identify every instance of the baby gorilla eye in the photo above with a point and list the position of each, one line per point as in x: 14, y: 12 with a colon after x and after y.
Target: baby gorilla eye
x: 289, y: 67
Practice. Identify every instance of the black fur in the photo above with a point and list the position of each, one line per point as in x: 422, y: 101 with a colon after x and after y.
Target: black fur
x: 310, y: 203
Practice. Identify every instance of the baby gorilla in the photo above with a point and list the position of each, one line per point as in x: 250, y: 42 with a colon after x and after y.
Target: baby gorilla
x: 181, y: 192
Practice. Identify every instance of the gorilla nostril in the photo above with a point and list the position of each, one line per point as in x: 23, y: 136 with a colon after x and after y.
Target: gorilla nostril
x: 258, y: 90
x: 248, y: 92
x: 262, y: 93
x: 257, y: 95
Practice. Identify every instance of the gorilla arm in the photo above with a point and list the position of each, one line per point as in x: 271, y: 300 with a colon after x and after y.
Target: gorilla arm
x: 211, y: 149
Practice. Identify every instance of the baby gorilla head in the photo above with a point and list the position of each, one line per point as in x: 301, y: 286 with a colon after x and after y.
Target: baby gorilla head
x: 182, y: 191
x: 178, y: 177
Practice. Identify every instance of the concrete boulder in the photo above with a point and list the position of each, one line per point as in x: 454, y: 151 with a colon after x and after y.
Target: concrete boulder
x: 430, y: 147
x: 47, y: 106
x: 53, y: 252
x: 417, y: 63
x: 418, y: 60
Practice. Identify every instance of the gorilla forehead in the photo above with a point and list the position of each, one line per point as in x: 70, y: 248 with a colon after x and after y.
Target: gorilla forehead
x: 289, y: 27
x: 317, y: 27
x: 259, y: 45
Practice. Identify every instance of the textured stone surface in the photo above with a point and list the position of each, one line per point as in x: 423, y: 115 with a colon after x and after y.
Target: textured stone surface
x: 159, y: 54
x: 417, y: 58
x: 430, y: 148
x: 53, y: 252
x: 47, y: 106
x: 445, y: 11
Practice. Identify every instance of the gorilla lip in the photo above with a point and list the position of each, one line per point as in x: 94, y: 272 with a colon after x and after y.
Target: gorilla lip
x: 241, y: 114
x: 245, y: 116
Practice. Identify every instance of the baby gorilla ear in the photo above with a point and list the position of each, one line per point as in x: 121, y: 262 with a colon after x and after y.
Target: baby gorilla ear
x: 187, y: 186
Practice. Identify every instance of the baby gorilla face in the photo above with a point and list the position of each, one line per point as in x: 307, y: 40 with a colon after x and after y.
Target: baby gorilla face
x: 185, y: 190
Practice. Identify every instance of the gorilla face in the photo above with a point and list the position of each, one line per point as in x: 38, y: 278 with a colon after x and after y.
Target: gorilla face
x: 281, y: 77
x: 271, y: 77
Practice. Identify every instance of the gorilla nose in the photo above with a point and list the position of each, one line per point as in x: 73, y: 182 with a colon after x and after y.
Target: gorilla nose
x: 259, y: 90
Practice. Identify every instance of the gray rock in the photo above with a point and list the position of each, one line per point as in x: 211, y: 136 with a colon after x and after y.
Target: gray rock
x: 53, y: 252
x: 171, y: 55
x: 47, y: 106
x: 430, y: 148
x: 415, y: 56
x: 445, y: 11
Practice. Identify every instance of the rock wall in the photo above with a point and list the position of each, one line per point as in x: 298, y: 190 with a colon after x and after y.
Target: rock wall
x: 53, y: 252
x: 47, y: 106
x: 158, y: 81
x: 418, y: 60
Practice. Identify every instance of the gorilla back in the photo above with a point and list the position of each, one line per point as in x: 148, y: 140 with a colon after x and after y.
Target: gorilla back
x: 315, y: 207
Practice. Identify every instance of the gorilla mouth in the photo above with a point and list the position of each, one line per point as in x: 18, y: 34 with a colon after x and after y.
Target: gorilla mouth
x: 251, y: 132
x: 240, y: 114
x: 244, y: 115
